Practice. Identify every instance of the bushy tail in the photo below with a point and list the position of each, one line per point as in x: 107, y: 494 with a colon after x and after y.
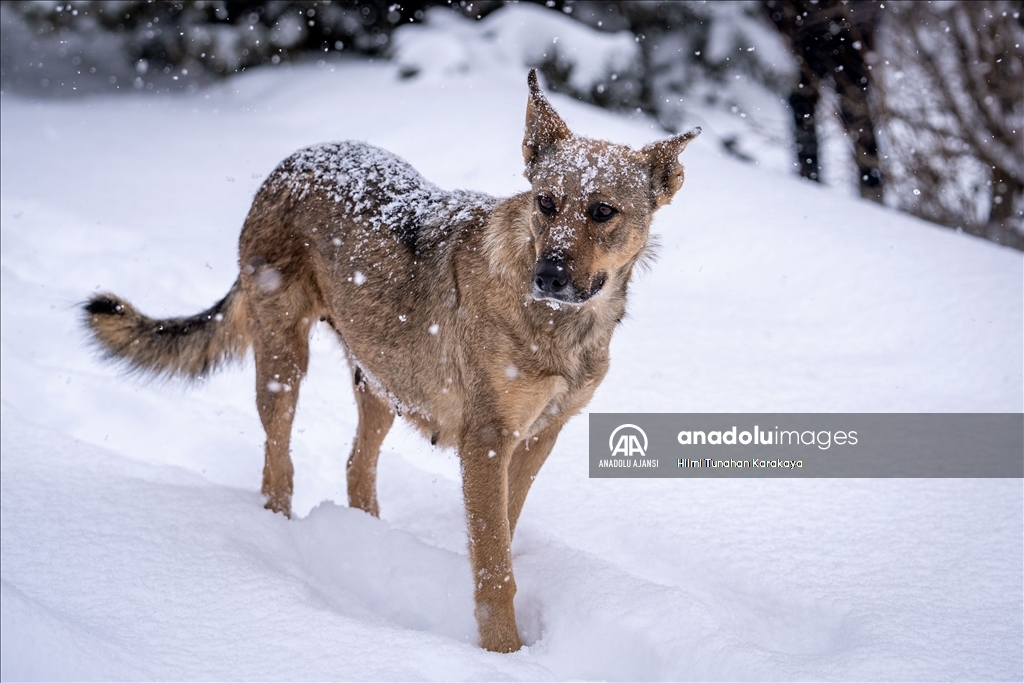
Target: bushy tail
x: 184, y: 347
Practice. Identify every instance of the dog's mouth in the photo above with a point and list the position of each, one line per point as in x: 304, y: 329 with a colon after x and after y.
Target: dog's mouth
x: 556, y: 301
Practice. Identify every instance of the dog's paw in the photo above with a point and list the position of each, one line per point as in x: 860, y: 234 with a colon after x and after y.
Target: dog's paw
x: 365, y: 502
x: 503, y: 645
x: 275, y: 504
x: 500, y: 637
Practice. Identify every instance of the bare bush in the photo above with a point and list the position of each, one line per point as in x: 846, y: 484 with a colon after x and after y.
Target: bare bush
x: 950, y: 81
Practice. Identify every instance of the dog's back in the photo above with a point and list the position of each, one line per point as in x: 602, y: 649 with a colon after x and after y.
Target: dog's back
x: 352, y: 234
x: 375, y: 196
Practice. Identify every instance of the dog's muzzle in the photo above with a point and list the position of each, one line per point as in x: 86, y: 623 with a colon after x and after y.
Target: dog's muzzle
x: 551, y: 282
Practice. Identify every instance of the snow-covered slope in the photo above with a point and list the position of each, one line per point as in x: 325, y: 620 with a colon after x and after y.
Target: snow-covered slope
x: 134, y: 544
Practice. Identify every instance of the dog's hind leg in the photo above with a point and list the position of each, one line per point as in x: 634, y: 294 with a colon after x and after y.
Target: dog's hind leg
x: 375, y: 419
x: 282, y: 356
x: 526, y: 462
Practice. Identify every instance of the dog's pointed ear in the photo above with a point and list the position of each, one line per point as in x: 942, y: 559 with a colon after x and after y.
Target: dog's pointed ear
x: 666, y: 171
x: 543, y: 126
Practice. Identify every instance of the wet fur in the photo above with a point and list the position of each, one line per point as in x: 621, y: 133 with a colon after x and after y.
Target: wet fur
x: 435, y: 297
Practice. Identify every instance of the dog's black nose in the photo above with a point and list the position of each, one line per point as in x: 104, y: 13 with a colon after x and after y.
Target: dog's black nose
x: 551, y: 276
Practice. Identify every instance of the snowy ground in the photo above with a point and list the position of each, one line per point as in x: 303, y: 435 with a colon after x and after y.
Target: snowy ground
x: 134, y: 544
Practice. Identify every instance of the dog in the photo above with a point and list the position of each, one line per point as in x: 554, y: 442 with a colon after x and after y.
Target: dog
x: 484, y: 322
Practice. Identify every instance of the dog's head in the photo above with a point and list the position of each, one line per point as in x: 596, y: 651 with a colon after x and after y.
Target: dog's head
x: 592, y: 202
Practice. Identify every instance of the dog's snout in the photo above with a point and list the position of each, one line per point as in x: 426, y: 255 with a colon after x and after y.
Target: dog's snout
x: 551, y: 276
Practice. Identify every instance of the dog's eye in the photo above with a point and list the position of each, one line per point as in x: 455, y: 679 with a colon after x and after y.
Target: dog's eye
x: 601, y: 212
x: 546, y: 205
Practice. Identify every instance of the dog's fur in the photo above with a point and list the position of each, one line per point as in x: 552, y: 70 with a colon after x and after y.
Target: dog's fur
x: 485, y: 322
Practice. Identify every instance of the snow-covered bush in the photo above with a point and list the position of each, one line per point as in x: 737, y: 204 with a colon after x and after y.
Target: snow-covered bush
x: 704, y: 60
x: 600, y: 67
x: 695, y: 51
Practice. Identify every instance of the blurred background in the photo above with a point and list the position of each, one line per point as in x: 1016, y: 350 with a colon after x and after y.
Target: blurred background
x: 915, y: 105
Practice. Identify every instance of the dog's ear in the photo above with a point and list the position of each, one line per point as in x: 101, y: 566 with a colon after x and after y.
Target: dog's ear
x: 666, y: 171
x: 543, y: 126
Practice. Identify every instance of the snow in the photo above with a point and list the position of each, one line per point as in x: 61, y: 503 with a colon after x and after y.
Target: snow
x: 134, y: 543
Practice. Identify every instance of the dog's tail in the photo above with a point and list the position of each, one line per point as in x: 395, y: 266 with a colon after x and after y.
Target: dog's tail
x: 184, y: 347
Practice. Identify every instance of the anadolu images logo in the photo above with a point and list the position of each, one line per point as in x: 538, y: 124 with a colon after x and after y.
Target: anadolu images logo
x: 628, y: 443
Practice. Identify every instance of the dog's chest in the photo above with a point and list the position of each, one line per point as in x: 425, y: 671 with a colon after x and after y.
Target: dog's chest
x: 570, y: 385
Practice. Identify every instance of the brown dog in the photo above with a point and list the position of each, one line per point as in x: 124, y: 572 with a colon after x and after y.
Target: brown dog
x: 486, y: 322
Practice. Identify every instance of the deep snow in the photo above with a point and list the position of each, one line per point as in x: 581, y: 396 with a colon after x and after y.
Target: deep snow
x: 134, y: 544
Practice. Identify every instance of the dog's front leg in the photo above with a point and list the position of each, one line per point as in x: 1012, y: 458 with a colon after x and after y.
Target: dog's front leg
x: 485, y: 489
x: 526, y: 462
